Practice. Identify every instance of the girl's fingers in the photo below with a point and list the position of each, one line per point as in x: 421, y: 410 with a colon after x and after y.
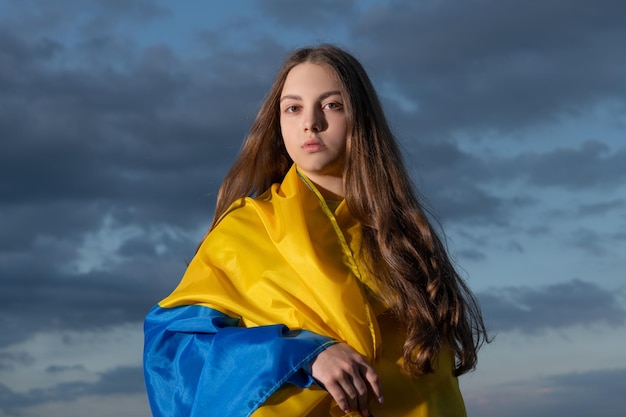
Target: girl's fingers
x: 347, y: 377
x: 348, y: 397
x: 374, y: 383
x: 341, y: 397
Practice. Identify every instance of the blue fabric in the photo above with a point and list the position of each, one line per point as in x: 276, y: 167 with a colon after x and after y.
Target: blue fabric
x: 198, y: 363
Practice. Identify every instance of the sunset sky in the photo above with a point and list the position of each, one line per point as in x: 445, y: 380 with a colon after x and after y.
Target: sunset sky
x: 119, y: 119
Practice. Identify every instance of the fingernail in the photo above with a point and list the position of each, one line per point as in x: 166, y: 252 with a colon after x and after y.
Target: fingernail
x: 381, y: 400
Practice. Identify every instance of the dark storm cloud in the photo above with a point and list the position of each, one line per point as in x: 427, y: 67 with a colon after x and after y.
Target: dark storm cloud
x: 122, y: 380
x: 581, y: 394
x: 599, y: 209
x: 40, y: 293
x: 455, y: 183
x: 493, y: 64
x: 448, y: 177
x: 472, y: 254
x: 11, y: 360
x: 45, y: 16
x: 460, y: 185
x: 307, y: 15
x: 597, y: 243
x: 593, y: 165
x: 534, y: 310
x: 59, y: 369
x: 99, y: 135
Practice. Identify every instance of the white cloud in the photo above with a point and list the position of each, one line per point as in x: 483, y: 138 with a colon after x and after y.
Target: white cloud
x: 94, y: 406
x: 83, y: 355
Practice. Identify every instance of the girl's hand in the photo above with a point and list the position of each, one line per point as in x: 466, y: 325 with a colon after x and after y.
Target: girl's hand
x: 347, y: 377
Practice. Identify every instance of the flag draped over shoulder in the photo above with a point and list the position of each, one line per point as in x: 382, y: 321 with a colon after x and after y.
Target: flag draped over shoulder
x: 273, y: 284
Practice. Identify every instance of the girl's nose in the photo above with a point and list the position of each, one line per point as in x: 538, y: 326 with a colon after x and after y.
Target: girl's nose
x: 314, y: 120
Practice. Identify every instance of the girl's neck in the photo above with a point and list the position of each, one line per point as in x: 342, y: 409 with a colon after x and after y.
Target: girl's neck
x: 330, y: 187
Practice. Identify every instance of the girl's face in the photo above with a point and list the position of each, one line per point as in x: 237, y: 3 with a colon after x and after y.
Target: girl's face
x: 313, y: 122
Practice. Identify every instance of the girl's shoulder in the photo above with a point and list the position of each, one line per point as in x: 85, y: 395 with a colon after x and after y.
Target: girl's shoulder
x: 250, y: 209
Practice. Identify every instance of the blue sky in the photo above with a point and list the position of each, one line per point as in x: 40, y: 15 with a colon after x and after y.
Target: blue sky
x: 118, y: 120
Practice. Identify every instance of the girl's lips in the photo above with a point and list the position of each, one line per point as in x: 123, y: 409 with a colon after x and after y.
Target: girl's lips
x: 313, y: 145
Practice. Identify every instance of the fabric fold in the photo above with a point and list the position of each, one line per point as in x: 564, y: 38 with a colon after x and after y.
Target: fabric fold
x: 199, y: 363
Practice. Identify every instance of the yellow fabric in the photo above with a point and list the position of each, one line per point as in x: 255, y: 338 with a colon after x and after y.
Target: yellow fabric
x: 284, y: 257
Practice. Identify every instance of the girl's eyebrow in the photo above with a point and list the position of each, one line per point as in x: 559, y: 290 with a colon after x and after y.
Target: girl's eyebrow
x: 321, y: 97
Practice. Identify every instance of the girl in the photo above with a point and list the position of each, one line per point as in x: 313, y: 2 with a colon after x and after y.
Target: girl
x: 321, y: 282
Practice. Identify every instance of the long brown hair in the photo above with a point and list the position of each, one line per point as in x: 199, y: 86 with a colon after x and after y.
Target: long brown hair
x: 416, y: 278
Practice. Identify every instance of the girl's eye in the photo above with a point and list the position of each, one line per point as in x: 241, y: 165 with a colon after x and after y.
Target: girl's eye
x: 291, y: 109
x: 333, y: 106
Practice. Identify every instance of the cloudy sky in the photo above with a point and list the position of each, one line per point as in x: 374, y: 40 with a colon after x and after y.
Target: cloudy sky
x: 119, y: 118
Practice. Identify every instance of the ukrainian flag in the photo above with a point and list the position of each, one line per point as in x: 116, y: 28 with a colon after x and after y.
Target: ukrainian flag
x: 213, y: 347
x: 274, y: 283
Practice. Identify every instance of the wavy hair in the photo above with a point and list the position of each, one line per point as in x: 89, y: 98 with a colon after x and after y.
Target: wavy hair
x: 401, y: 249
